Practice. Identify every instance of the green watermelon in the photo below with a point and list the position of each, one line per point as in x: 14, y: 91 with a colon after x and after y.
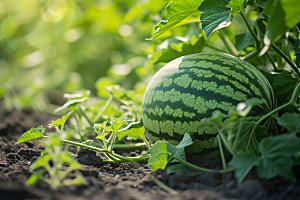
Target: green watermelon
x: 193, y: 87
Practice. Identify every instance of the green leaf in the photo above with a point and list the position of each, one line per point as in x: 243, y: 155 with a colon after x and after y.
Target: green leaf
x: 243, y: 164
x: 100, y: 128
x: 291, y: 121
x: 61, y: 121
x: 186, y: 141
x: 175, y: 13
x: 296, y: 47
x: 159, y: 156
x: 178, y: 151
x: 277, y: 155
x: 284, y: 16
x: 81, y: 95
x: 34, y: 133
x: 170, y: 49
x: 248, y: 143
x: 116, y: 124
x: 262, y: 3
x: 237, y: 5
x: 40, y: 162
x: 34, y: 178
x: 283, y: 86
x: 71, y: 105
x: 243, y: 40
x: 135, y: 130
x: 276, y: 158
x: 215, y: 15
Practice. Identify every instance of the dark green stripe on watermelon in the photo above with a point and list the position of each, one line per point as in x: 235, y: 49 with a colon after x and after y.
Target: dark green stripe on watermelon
x: 193, y: 87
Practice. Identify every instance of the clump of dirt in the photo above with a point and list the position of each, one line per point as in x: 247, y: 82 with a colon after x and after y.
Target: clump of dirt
x: 124, y: 180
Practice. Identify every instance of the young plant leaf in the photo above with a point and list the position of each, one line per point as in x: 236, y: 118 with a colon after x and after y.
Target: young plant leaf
x: 71, y: 105
x: 291, y: 121
x: 284, y: 85
x: 169, y: 50
x: 135, y: 130
x: 159, y: 156
x: 100, y: 128
x: 34, y: 178
x: 215, y: 15
x: 60, y: 122
x: 34, y: 133
x: 284, y: 15
x: 175, y: 13
x: 116, y: 124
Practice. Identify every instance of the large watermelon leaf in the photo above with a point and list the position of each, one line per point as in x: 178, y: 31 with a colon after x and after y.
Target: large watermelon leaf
x: 291, y: 122
x: 217, y: 14
x: 283, y: 86
x: 248, y: 141
x: 275, y: 158
x: 170, y: 49
x: 175, y: 13
x: 284, y: 15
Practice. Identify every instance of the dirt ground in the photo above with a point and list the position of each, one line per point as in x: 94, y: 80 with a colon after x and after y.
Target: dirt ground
x: 121, y: 181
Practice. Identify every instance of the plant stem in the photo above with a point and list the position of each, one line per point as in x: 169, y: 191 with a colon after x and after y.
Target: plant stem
x: 86, y: 117
x: 221, y: 152
x: 214, y: 48
x: 122, y: 159
x: 238, y: 133
x: 229, y: 46
x: 107, y: 104
x: 78, y: 126
x: 228, y: 145
x: 291, y: 63
x: 257, y: 42
x: 272, y: 61
x: 163, y: 186
x: 130, y: 146
x: 250, y: 55
x: 203, y: 169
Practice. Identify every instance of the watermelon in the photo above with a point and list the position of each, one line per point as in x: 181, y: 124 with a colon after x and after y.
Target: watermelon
x: 193, y: 87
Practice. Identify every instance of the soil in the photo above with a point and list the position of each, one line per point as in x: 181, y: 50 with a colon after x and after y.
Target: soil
x: 121, y: 181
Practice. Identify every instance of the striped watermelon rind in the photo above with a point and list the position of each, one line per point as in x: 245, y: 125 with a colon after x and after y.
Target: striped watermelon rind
x: 195, y: 86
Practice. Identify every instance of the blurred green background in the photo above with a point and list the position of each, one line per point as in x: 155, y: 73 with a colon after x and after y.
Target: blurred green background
x: 52, y: 47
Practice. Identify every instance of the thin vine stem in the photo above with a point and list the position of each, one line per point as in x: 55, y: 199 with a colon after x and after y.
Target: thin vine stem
x: 214, y: 48
x: 107, y: 104
x: 257, y: 42
x: 229, y: 46
x: 203, y: 169
x: 285, y: 57
x: 222, y: 153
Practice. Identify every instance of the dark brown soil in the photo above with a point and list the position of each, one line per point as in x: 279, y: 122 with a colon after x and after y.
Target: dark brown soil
x: 121, y: 181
